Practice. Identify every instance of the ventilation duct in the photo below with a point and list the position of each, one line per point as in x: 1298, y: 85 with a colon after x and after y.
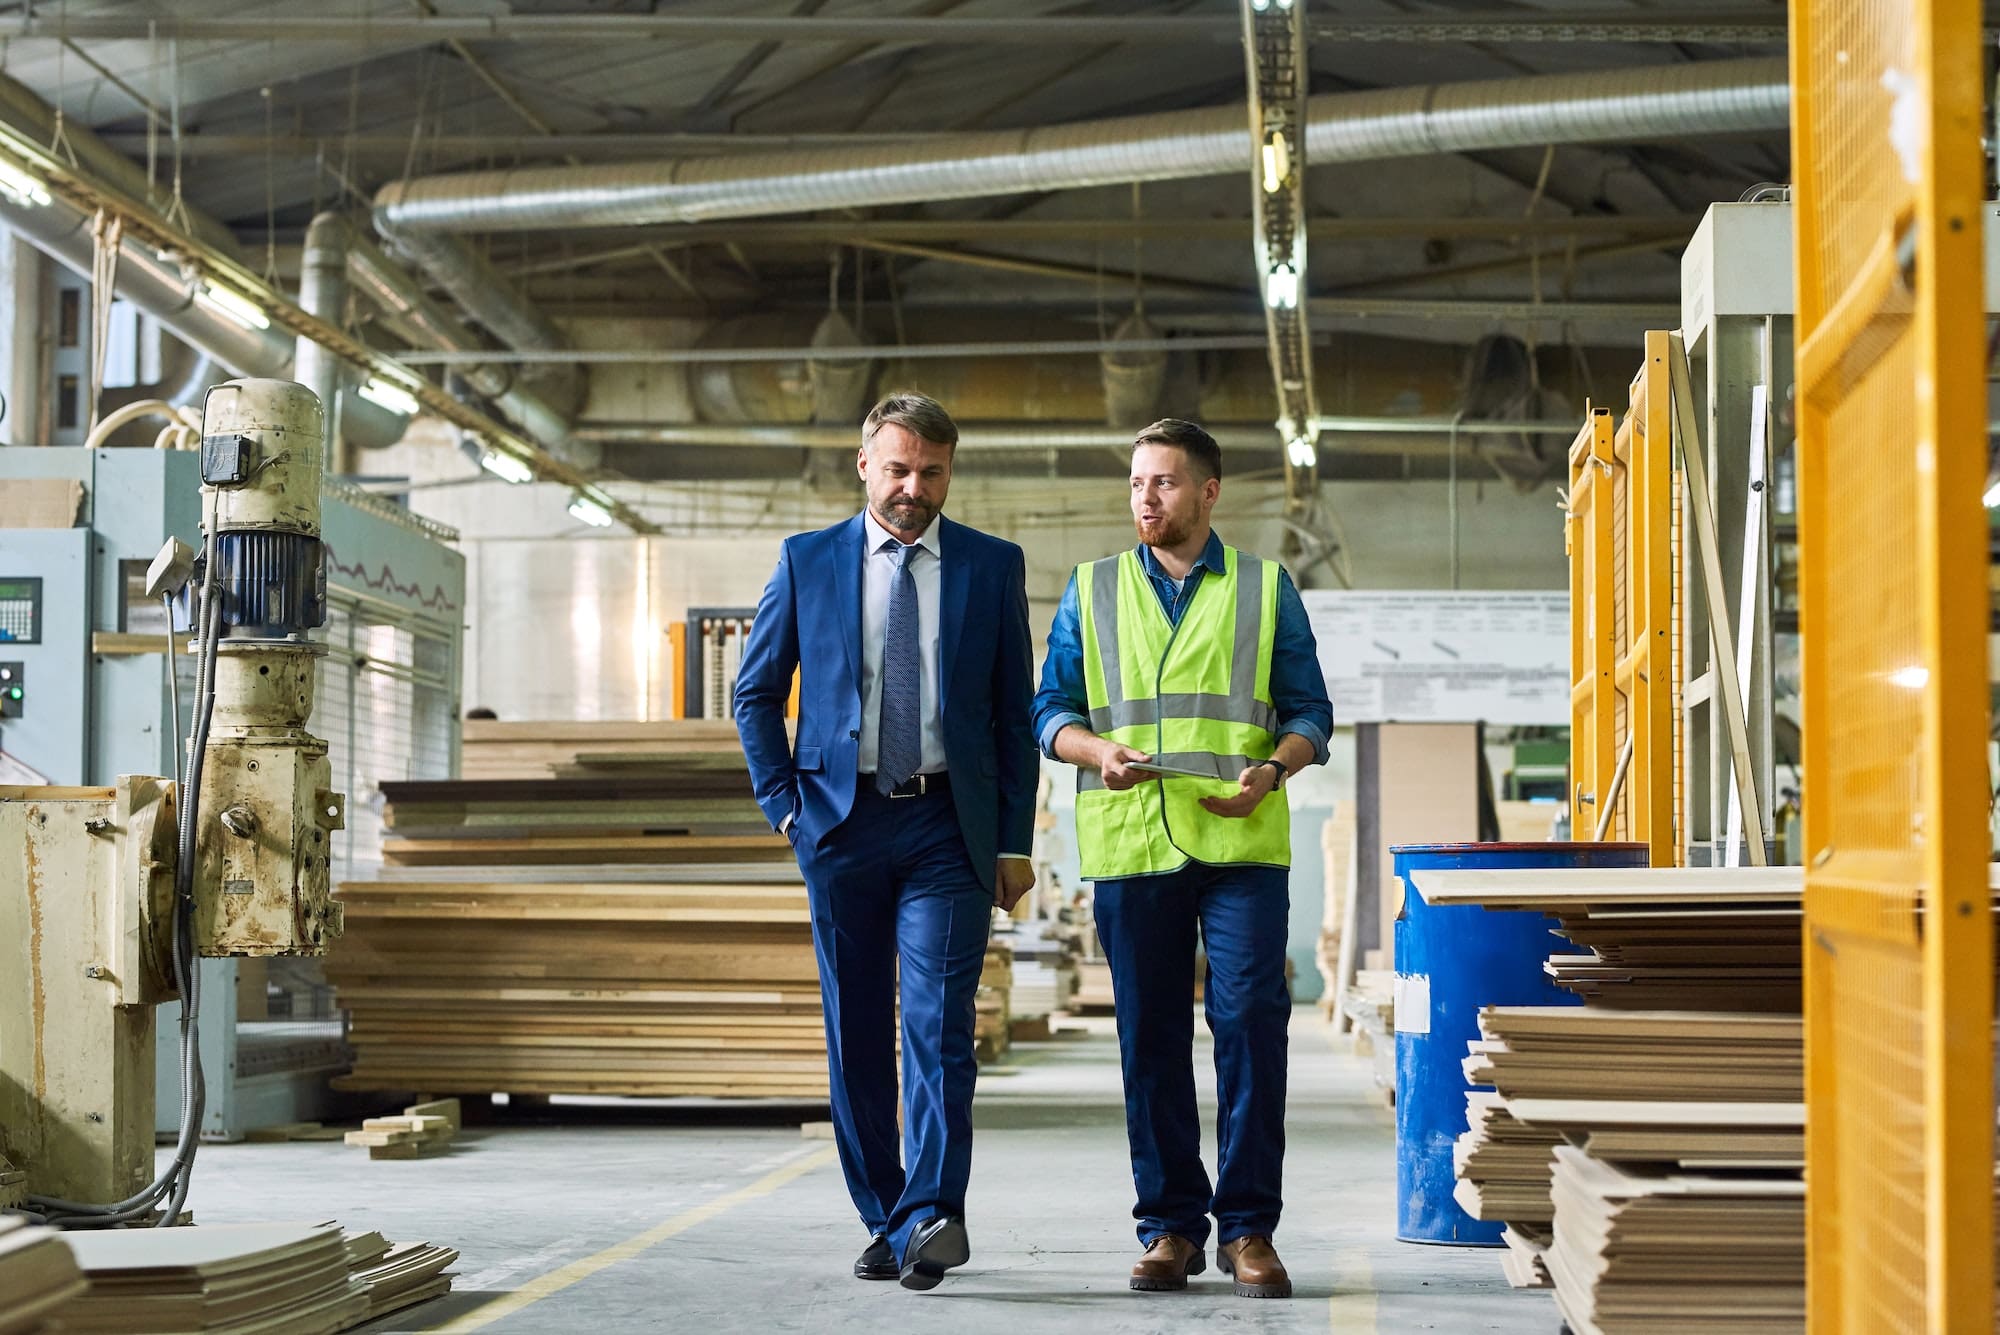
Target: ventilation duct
x: 1613, y: 104
x: 494, y: 304
x: 323, y: 292
x: 421, y: 321
x: 1134, y: 381
x: 839, y: 386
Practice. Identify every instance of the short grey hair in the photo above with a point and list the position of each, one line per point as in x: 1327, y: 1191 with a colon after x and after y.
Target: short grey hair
x: 919, y: 414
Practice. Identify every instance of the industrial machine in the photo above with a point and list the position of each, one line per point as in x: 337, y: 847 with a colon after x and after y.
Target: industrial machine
x: 79, y: 529
x: 118, y: 890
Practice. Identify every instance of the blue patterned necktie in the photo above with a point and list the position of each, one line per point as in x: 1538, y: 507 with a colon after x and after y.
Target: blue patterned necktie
x: 899, y: 739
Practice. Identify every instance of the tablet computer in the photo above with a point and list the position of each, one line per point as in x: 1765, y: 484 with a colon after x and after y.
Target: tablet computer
x: 1150, y: 768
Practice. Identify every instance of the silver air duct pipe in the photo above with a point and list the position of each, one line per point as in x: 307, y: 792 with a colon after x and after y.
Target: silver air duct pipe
x: 482, y: 293
x: 1609, y: 105
x: 323, y: 292
x: 419, y: 318
x: 158, y: 287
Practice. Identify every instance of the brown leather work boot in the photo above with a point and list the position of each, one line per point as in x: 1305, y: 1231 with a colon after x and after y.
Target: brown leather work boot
x: 1168, y: 1262
x: 1254, y: 1265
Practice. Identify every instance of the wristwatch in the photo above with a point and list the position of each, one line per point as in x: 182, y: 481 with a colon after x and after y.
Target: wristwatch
x: 1283, y: 773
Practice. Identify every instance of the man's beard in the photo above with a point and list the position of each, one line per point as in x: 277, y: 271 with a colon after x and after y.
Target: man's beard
x: 1169, y: 532
x: 906, y: 516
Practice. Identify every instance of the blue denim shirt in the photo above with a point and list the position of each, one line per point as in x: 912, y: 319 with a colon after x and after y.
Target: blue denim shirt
x: 1298, y: 687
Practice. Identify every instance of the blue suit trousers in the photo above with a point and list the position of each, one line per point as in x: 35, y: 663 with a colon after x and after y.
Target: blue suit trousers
x: 1148, y: 926
x: 894, y: 881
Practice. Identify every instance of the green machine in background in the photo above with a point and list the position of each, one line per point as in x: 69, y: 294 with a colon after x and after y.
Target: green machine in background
x: 1540, y: 772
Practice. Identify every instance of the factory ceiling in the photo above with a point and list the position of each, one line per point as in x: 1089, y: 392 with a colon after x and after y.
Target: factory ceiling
x: 266, y: 115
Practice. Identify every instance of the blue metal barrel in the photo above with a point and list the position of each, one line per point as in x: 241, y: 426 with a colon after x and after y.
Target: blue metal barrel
x: 1450, y: 962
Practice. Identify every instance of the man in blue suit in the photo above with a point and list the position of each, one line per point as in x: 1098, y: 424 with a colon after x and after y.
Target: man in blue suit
x: 910, y: 803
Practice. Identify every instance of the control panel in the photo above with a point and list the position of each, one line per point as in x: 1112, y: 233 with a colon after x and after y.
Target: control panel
x: 45, y: 629
x: 20, y: 610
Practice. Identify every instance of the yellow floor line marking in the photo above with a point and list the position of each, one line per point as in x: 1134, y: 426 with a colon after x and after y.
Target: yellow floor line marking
x: 555, y: 1281
x: 1351, y: 1309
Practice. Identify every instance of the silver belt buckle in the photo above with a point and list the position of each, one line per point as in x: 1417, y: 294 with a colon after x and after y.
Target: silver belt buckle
x: 918, y: 779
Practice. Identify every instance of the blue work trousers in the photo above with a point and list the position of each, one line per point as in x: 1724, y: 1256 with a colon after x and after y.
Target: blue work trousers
x: 893, y: 881
x: 1148, y: 926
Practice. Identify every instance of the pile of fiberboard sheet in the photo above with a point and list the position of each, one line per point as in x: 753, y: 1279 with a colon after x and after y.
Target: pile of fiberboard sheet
x: 272, y: 1279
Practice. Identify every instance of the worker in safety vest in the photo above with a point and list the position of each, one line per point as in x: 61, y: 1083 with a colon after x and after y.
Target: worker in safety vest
x: 1192, y: 656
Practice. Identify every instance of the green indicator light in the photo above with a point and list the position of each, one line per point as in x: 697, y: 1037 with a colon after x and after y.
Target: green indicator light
x: 14, y: 694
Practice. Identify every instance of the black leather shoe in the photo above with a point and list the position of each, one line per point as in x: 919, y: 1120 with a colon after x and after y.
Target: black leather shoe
x: 878, y: 1262
x: 938, y: 1245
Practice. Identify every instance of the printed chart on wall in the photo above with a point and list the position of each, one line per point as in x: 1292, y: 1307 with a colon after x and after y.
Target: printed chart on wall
x: 1442, y: 657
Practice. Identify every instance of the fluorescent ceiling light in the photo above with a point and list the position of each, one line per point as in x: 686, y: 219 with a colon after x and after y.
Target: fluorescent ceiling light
x: 1281, y: 287
x: 232, y: 305
x: 1277, y: 164
x: 390, y: 395
x: 506, y: 467
x: 21, y: 187
x: 1301, y: 453
x: 589, y: 511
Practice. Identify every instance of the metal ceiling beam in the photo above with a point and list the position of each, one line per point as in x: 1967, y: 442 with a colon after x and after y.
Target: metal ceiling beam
x: 1754, y: 25
x: 1411, y: 433
x: 1598, y: 106
x: 888, y: 351
x: 397, y: 146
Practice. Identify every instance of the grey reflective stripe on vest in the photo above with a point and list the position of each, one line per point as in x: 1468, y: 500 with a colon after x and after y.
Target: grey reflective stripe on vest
x: 1226, y: 767
x: 1176, y: 704
x: 1104, y: 615
x: 1249, y: 625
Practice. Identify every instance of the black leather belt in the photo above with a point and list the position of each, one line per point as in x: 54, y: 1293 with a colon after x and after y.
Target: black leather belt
x: 918, y: 785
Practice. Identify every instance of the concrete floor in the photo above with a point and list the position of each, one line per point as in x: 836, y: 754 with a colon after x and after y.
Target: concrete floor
x: 625, y: 1219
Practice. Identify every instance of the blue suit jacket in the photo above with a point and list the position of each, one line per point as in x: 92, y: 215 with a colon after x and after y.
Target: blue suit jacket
x: 810, y: 619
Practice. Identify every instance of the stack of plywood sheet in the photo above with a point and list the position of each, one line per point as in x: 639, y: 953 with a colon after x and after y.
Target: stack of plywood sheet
x: 615, y: 928
x: 396, y: 1275
x: 991, y: 1033
x: 1369, y: 1003
x: 613, y: 981
x: 274, y: 1279
x: 38, y: 1276
x: 552, y: 748
x: 1044, y: 969
x: 1707, y: 938
x: 1583, y: 1052
x: 1573, y: 1057
x: 1641, y: 1249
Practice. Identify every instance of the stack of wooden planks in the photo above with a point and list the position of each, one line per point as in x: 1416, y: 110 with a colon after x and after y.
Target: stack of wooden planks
x: 613, y: 916
x: 1571, y: 1058
x: 1044, y: 969
x: 1645, y: 1248
x: 554, y: 749
x: 396, y: 1275
x: 991, y: 1032
x: 422, y: 1131
x: 1706, y: 938
x: 1630, y: 1143
x: 617, y: 981
x: 38, y: 1276
x: 275, y: 1279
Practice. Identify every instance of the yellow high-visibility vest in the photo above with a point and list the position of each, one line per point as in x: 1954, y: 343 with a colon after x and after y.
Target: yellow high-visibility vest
x: 1196, y: 696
